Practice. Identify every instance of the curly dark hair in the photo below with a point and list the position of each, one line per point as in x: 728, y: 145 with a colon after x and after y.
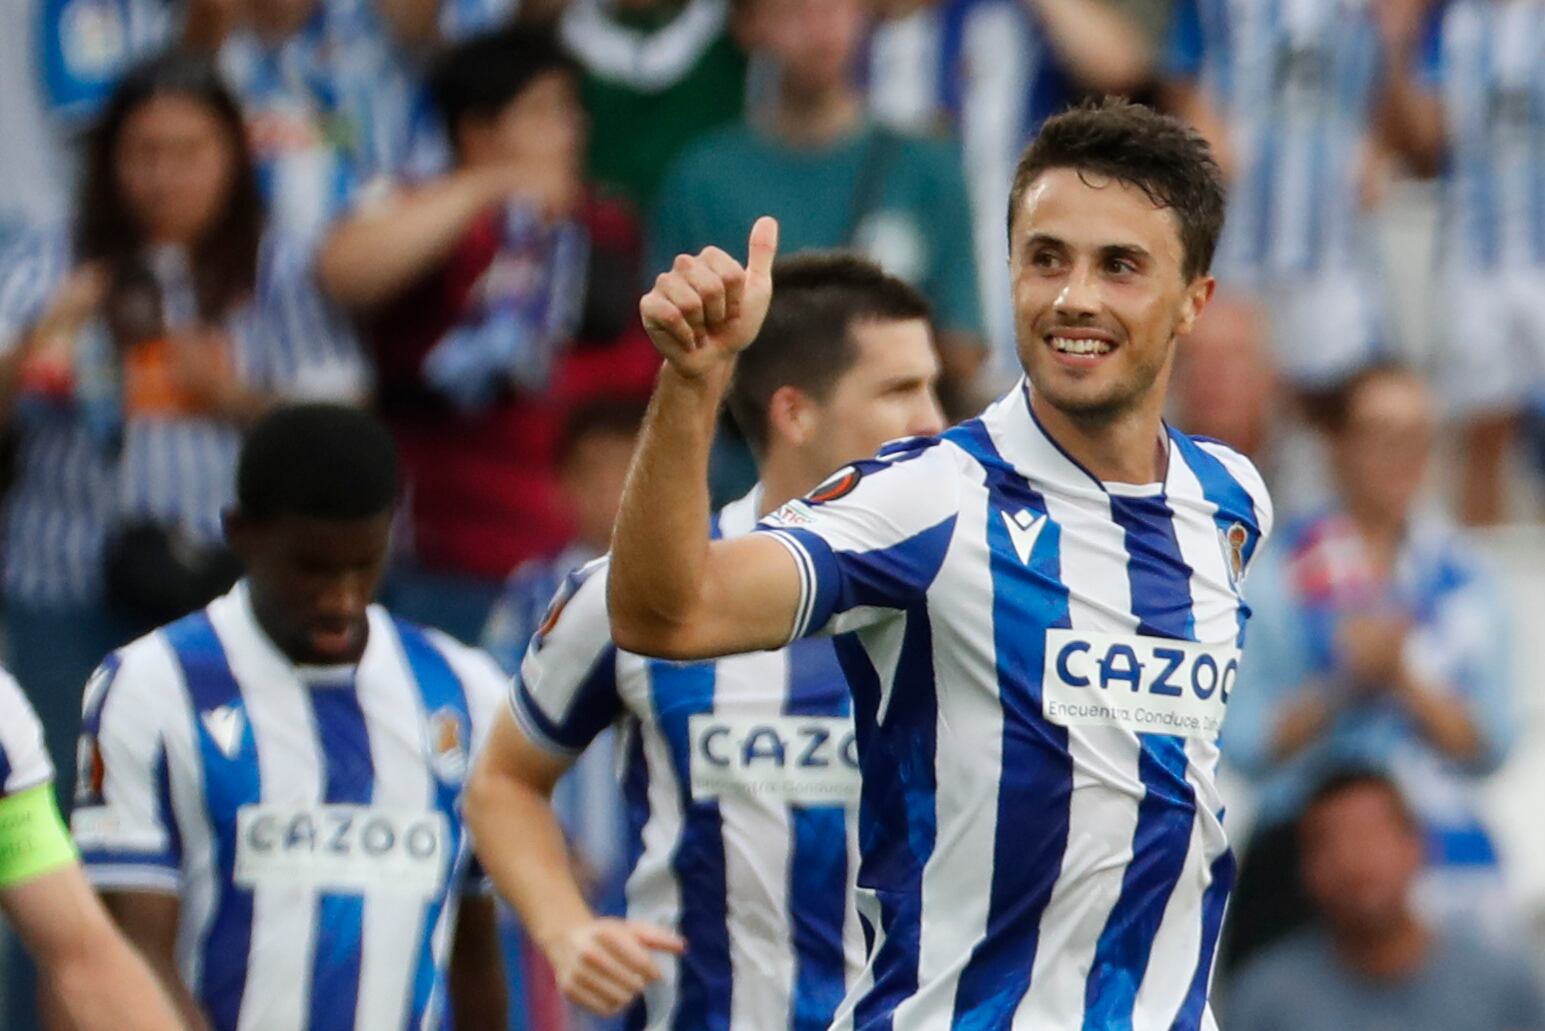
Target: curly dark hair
x: 1162, y: 156
x: 224, y: 262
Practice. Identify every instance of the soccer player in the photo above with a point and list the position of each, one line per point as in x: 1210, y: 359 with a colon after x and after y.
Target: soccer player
x: 272, y: 785
x: 739, y: 775
x: 1040, y: 605
x: 96, y: 978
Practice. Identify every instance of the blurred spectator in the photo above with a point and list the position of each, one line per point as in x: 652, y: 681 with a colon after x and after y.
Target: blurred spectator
x: 59, y: 59
x: 989, y: 72
x: 1223, y: 386
x: 1465, y: 98
x: 332, y: 97
x: 1377, y: 639
x: 472, y: 289
x: 833, y: 178
x: 1371, y: 962
x: 135, y: 347
x: 658, y: 74
x: 593, y: 451
x: 1287, y: 92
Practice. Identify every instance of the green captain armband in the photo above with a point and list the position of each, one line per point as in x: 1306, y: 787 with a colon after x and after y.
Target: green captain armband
x: 33, y: 838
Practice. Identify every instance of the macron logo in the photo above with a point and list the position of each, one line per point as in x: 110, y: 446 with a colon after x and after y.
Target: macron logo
x: 225, y: 726
x: 1024, y: 528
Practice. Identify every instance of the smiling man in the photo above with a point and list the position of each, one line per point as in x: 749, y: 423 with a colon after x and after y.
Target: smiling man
x: 1039, y: 608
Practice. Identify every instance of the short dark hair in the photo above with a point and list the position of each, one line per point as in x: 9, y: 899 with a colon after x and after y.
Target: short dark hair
x: 1160, y: 155
x: 605, y: 415
x: 319, y: 460
x: 1339, y: 780
x: 1331, y: 409
x: 480, y: 76
x: 807, y: 340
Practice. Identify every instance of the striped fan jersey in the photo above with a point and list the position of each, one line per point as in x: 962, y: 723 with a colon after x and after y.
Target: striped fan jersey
x: 1040, y: 665
x: 1295, y: 83
x: 1484, y: 62
x: 740, y: 780
x: 24, y: 759
x: 308, y: 817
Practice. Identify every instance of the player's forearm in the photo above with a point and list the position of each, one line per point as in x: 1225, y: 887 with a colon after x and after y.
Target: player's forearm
x: 107, y: 986
x: 374, y: 255
x: 660, y: 544
x: 521, y: 846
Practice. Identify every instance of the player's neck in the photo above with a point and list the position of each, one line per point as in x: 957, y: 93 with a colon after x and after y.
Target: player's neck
x: 783, y: 478
x: 816, y: 120
x: 1127, y: 449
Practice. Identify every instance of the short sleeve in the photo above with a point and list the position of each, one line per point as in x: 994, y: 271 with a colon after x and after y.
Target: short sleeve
x: 951, y: 286
x: 305, y: 348
x: 123, y: 820
x: 24, y: 759
x: 870, y: 540
x: 566, y: 690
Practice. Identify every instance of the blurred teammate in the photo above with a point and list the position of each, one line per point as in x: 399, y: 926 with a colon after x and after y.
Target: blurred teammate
x: 1044, y: 598
x: 99, y: 981
x: 272, y: 784
x: 740, y: 775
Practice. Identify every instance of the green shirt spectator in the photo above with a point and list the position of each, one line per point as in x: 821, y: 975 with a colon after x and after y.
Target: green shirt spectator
x: 658, y: 74
x: 915, y: 220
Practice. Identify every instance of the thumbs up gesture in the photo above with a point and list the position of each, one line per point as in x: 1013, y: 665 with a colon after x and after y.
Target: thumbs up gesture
x: 708, y: 308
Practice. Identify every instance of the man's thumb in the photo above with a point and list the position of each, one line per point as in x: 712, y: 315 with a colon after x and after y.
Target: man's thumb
x: 762, y: 248
x: 658, y: 937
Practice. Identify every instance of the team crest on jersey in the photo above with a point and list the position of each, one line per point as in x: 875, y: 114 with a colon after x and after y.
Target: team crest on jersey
x: 1233, y: 541
x: 90, y: 771
x: 839, y: 485
x: 448, y: 752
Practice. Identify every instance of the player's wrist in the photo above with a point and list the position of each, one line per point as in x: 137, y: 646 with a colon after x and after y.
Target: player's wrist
x: 708, y: 383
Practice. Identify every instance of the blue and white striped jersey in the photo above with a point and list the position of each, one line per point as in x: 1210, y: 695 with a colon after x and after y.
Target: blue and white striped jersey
x: 1040, y: 665
x: 24, y: 759
x: 1294, y: 80
x: 740, y: 781
x: 983, y: 71
x: 72, y: 486
x: 1484, y: 62
x: 308, y: 818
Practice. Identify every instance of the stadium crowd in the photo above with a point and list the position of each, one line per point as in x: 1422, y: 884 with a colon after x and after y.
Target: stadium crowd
x: 445, y: 212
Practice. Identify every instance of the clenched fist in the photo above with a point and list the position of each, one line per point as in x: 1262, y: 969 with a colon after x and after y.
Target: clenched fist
x: 708, y: 308
x: 605, y: 964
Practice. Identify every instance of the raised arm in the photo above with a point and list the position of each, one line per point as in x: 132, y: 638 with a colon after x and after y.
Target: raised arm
x: 672, y: 593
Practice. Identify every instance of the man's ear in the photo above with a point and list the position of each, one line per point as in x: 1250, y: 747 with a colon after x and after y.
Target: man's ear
x: 790, y: 416
x: 1198, y: 293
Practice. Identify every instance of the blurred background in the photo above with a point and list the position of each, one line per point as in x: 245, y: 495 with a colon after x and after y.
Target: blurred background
x: 447, y: 209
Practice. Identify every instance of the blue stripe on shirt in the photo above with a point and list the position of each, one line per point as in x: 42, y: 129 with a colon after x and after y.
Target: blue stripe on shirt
x: 1161, y: 600
x: 229, y: 784
x: 349, y: 776
x: 898, y: 820
x: 818, y: 864
x: 703, y: 984
x: 442, y: 695
x: 1036, y: 781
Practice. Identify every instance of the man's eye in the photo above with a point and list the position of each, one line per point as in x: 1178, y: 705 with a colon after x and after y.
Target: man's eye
x: 1043, y: 259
